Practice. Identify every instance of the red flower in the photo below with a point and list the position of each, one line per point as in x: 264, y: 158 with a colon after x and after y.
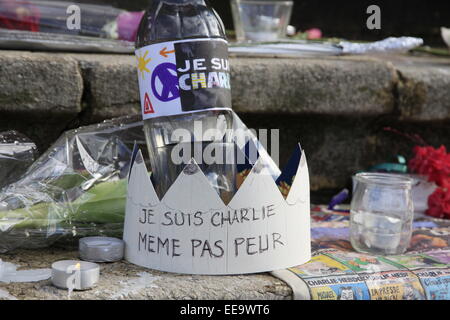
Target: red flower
x: 439, y: 204
x: 434, y: 163
x: 443, y: 181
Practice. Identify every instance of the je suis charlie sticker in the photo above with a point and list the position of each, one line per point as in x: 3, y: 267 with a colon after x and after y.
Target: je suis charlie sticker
x: 183, y: 77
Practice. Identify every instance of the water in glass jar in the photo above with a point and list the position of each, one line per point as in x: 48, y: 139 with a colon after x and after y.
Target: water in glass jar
x: 261, y: 28
x: 380, y: 233
x: 261, y: 20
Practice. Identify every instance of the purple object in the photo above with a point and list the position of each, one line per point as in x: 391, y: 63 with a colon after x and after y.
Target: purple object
x: 338, y: 199
x: 128, y: 24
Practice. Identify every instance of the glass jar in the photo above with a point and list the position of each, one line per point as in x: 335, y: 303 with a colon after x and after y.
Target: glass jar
x: 382, y: 213
x: 261, y: 20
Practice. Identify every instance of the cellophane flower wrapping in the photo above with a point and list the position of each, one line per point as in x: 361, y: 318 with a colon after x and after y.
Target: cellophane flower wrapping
x: 101, y: 21
x: 17, y: 153
x: 77, y: 188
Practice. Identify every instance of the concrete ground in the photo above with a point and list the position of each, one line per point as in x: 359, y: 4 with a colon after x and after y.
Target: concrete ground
x: 123, y: 281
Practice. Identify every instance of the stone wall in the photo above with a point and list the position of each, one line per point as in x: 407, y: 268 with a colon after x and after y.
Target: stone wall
x: 337, y: 107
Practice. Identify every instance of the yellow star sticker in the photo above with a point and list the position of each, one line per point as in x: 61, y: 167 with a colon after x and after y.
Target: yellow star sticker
x: 142, y: 64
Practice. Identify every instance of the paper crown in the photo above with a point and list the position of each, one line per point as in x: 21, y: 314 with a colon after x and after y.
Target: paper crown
x: 192, y: 231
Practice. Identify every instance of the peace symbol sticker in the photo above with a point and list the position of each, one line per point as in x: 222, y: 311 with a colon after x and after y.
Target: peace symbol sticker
x: 164, y: 82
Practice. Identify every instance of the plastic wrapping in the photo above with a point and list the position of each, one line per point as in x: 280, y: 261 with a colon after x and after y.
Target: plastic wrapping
x: 78, y: 187
x: 53, y: 16
x: 388, y: 45
x: 285, y: 48
x: 17, y: 153
x: 25, y: 40
x: 50, y: 25
x: 302, y: 48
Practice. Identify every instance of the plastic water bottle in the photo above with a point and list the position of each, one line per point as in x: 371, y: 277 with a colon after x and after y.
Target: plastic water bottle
x: 184, y: 78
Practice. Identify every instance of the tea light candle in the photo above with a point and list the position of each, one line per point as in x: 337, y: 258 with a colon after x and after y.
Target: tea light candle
x: 101, y: 249
x: 75, y: 275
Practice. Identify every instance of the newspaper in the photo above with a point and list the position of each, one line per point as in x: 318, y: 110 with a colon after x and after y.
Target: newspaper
x: 337, y: 272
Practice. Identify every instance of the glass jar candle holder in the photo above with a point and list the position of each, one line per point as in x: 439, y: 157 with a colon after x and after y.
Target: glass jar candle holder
x: 261, y: 20
x: 382, y: 213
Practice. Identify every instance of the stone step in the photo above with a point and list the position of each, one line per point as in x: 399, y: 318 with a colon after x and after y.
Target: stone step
x: 337, y: 107
x: 65, y: 85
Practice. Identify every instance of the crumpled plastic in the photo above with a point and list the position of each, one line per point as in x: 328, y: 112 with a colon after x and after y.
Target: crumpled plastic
x: 388, y: 45
x: 78, y: 187
x: 17, y: 153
